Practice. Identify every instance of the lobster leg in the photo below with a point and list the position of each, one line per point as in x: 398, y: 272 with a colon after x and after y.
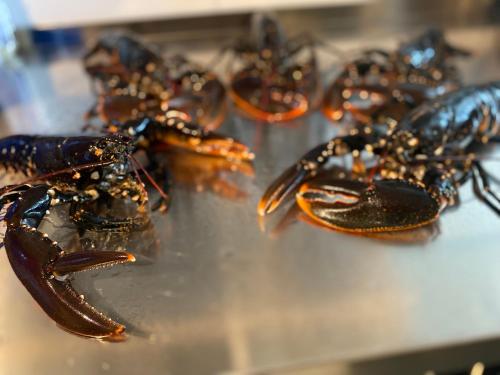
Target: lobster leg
x: 306, y: 168
x: 40, y: 264
x: 482, y: 189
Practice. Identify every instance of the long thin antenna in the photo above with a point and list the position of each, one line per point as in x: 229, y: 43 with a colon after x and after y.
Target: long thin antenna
x: 56, y: 173
x: 137, y: 175
x: 458, y: 158
x: 150, y: 179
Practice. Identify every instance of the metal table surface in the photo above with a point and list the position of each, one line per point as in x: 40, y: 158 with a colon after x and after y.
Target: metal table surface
x: 214, y: 292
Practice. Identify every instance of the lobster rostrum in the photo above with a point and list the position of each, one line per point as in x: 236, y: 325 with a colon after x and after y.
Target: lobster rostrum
x: 278, y: 77
x: 75, y: 171
x: 134, y: 80
x: 379, y: 84
x: 417, y: 164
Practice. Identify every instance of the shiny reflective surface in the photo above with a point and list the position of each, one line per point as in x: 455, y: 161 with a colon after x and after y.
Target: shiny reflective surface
x: 212, y: 292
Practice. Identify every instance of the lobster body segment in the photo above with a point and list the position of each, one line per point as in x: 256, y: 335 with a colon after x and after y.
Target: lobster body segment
x: 452, y: 122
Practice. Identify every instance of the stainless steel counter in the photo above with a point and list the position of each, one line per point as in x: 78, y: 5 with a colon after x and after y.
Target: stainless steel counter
x: 217, y: 293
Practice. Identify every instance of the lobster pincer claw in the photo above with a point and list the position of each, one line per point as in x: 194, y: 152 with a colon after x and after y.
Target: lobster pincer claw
x: 287, y: 183
x: 281, y: 189
x: 41, y: 265
x: 379, y: 206
x: 206, y: 143
x: 214, y: 144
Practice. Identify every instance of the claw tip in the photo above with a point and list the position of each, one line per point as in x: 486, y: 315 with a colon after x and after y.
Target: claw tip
x: 265, y: 208
x: 117, y: 336
x: 261, y: 208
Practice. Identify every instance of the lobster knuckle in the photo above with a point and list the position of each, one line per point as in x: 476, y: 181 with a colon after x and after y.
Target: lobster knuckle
x: 355, y: 206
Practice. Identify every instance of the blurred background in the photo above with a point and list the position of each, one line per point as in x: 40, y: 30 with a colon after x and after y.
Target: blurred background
x: 230, y: 298
x: 226, y: 18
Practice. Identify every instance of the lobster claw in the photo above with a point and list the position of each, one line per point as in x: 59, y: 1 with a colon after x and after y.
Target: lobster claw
x: 355, y: 206
x: 209, y: 144
x: 41, y: 266
x: 281, y: 188
x: 214, y: 144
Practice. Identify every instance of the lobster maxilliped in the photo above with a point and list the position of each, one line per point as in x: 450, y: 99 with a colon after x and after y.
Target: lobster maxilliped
x: 416, y: 167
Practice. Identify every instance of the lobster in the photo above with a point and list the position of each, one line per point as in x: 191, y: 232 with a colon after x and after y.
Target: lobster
x: 180, y: 139
x: 75, y: 171
x: 381, y: 85
x: 279, y: 78
x: 134, y: 80
x: 159, y: 121
x: 417, y: 165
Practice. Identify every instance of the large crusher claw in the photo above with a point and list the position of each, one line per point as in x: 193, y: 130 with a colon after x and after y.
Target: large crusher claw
x: 43, y: 268
x: 379, y: 206
x: 41, y: 265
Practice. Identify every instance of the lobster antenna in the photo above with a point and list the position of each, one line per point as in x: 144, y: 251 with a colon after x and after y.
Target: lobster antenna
x: 56, y: 173
x: 148, y: 176
x: 459, y: 158
x: 137, y: 175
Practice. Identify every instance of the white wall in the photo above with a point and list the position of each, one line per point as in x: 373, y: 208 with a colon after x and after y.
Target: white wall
x: 59, y: 13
